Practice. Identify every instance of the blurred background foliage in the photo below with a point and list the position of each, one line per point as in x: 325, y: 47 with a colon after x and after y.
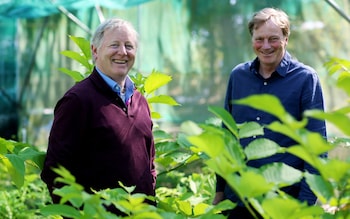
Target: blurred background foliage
x: 197, y: 42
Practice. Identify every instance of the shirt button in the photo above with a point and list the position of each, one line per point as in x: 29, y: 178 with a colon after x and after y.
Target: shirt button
x: 257, y: 118
x: 265, y: 83
x: 124, y: 109
x: 254, y: 136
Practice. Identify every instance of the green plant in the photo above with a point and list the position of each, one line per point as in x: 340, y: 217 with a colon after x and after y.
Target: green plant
x: 227, y: 158
x: 21, y: 190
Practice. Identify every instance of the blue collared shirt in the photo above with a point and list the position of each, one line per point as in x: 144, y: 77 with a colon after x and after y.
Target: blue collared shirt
x: 296, y: 85
x: 129, y: 87
x: 298, y: 88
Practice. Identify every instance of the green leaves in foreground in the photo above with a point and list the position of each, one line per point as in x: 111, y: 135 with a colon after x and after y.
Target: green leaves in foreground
x: 17, y: 156
x: 148, y: 85
x: 83, y: 57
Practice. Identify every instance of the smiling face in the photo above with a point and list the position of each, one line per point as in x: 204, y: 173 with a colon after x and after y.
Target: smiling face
x: 116, y: 54
x: 269, y: 44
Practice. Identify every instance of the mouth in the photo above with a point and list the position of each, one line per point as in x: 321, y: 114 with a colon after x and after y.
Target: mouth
x: 117, y: 61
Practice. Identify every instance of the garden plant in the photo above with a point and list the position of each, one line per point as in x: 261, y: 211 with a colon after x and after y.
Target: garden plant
x: 181, y: 192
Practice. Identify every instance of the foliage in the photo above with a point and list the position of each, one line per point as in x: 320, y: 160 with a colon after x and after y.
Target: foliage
x: 189, y: 195
x: 22, y: 192
x: 14, y: 156
x: 228, y: 159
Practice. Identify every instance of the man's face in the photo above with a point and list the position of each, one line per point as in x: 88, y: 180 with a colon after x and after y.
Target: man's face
x: 269, y: 44
x: 116, y: 55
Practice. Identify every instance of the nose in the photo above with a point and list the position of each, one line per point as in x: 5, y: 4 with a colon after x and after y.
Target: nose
x: 266, y: 44
x: 122, y: 50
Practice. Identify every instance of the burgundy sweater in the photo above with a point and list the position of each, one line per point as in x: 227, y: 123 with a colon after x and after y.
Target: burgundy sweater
x: 100, y: 140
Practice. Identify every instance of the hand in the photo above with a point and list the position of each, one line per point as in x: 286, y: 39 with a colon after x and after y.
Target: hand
x: 219, y: 196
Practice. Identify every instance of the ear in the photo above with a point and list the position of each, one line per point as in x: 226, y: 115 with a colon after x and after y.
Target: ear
x: 94, y: 52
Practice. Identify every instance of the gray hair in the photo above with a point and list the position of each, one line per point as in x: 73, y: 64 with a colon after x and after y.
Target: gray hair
x: 109, y: 24
x: 277, y: 16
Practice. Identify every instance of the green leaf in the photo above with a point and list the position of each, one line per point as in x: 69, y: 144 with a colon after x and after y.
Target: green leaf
x: 247, y: 185
x: 70, y: 193
x: 77, y: 57
x: 264, y: 102
x: 185, y: 207
x: 191, y: 128
x: 302, y: 153
x: 250, y: 129
x: 314, y: 143
x: 337, y: 118
x: 335, y: 170
x: 63, y: 210
x: 77, y: 76
x: 164, y: 99
x: 210, y: 143
x: 285, y: 130
x: 156, y: 80
x: 83, y: 44
x: 321, y: 187
x: 290, y: 208
x: 4, y: 144
x: 34, y: 156
x: 344, y: 82
x: 200, y: 209
x: 261, y: 148
x: 226, y: 118
x: 222, y: 206
x: 155, y: 115
x: 16, y: 168
x: 281, y: 174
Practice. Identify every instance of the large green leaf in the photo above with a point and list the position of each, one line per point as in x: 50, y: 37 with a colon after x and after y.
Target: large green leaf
x: 335, y: 170
x: 250, y: 129
x: 281, y: 174
x: 164, y: 99
x: 285, y: 130
x: 32, y: 155
x: 337, y: 118
x: 261, y: 148
x: 75, y: 75
x: 304, y: 154
x: 264, y: 102
x: 250, y: 184
x: 278, y: 208
x: 57, y: 209
x: 314, y: 142
x: 344, y: 82
x: 16, y: 168
x: 200, y: 209
x: 4, y: 145
x: 222, y: 206
x: 185, y: 207
x: 191, y: 128
x: 209, y: 143
x: 321, y: 187
x: 77, y: 57
x: 83, y: 44
x: 226, y: 118
x: 156, y: 80
x: 70, y: 194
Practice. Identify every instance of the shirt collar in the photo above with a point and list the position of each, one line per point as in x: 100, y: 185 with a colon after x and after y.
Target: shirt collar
x: 129, y: 85
x: 282, y: 68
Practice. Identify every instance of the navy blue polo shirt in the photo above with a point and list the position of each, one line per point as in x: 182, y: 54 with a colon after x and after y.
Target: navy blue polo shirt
x: 298, y: 88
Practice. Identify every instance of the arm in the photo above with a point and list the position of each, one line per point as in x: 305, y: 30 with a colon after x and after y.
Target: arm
x: 312, y: 100
x: 64, y: 138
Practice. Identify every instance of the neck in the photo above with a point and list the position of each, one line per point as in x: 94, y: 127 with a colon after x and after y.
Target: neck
x: 266, y: 72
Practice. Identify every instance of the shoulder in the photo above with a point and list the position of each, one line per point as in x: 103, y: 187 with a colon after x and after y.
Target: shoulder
x: 244, y: 66
x: 299, y: 67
